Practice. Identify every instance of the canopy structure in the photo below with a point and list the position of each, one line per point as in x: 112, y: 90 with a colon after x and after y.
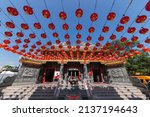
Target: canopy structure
x: 75, y: 30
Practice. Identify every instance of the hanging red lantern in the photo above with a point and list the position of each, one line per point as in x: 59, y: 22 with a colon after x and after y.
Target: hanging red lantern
x: 105, y: 29
x: 94, y: 48
x: 15, y: 47
x: 49, y: 43
x: 79, y: 27
x: 87, y: 44
x: 141, y: 19
x: 68, y: 42
x: 91, y: 29
x: 8, y: 34
x: 123, y: 39
x: 43, y: 47
x: 43, y: 35
x: 137, y: 52
x: 120, y: 28
x: 46, y: 13
x: 131, y: 30
x: 145, y: 49
x: 24, y: 26
x: 23, y: 50
x: 108, y: 44
x: 147, y: 6
x: 147, y: 40
x: 27, y: 41
x: 112, y: 37
x: 121, y: 48
x: 86, y: 48
x: 25, y: 46
x: 31, y: 50
x: 111, y: 16
x: 97, y: 44
x: 53, y: 47
x: 18, y: 41
x: 60, y: 46
x: 89, y: 38
x: 38, y: 50
x: 67, y: 36
x: 38, y: 43
x: 124, y: 20
x: 116, y: 46
x: 78, y: 47
x: 100, y: 38
x: 19, y: 34
x: 128, y: 44
x: 79, y: 12
x: 143, y: 30
x: 131, y: 50
x: 32, y: 35
x: 94, y: 17
x: 65, y: 26
x: 37, y: 25
x: 33, y: 46
x: 134, y: 38
x: 69, y: 47
x: 140, y: 45
x: 78, y: 36
x: 6, y: 41
x: 12, y: 11
x: 10, y: 24
x: 55, y: 35
x: 62, y: 15
x: 28, y: 10
x: 78, y: 41
x: 51, y: 26
x: 57, y: 41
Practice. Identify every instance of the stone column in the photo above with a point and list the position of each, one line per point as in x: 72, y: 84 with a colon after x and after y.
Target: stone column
x: 85, y: 71
x: 61, y: 72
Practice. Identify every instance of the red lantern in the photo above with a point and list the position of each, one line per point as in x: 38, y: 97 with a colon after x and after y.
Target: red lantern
x: 18, y: 41
x: 89, y: 38
x: 141, y: 19
x: 32, y: 35
x: 94, y: 48
x: 120, y: 28
x: 43, y: 35
x: 105, y: 29
x: 12, y: 11
x: 97, y: 44
x: 131, y: 30
x: 10, y: 24
x: 78, y: 41
x: 111, y: 16
x: 122, y: 48
x: 38, y: 43
x: 94, y: 17
x: 62, y: 15
x: 86, y: 48
x: 15, y: 47
x: 53, y: 47
x: 51, y: 26
x: 28, y: 10
x: 60, y: 46
x: 145, y: 49
x: 7, y: 41
x: 87, y: 44
x: 143, y: 30
x: 100, y: 38
x: 23, y: 50
x: 91, y: 29
x: 67, y: 36
x: 49, y: 43
x: 112, y: 37
x: 43, y: 47
x: 68, y: 42
x: 137, y: 52
x: 116, y: 46
x: 79, y: 27
x: 134, y: 38
x: 78, y: 36
x: 78, y: 47
x: 108, y: 44
x: 19, y: 34
x: 57, y: 41
x: 37, y: 25
x: 124, y: 20
x: 24, y: 26
x: 147, y: 40
x: 140, y: 45
x: 33, y: 46
x: 79, y: 12
x: 25, y: 46
x: 147, y: 7
x: 55, y: 35
x: 46, y: 13
x: 31, y: 50
x: 123, y: 39
x: 27, y: 41
x: 65, y: 26
x: 128, y: 44
x: 8, y: 34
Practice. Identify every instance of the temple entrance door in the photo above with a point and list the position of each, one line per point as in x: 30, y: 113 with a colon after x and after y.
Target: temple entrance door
x: 97, y: 75
x: 49, y: 75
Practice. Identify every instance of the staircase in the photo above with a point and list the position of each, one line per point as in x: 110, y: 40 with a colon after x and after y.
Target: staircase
x: 29, y: 92
x: 116, y: 92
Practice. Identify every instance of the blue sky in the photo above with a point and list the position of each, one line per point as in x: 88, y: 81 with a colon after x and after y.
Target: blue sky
x: 102, y: 8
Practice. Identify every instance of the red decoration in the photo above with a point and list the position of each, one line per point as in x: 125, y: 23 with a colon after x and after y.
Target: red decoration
x: 78, y: 36
x: 123, y: 39
x: 128, y: 43
x: 43, y: 47
x: 147, y: 40
x: 67, y: 36
x: 79, y: 12
x: 141, y: 19
x: 134, y: 38
x: 143, y: 30
x: 7, y: 41
x: 78, y: 41
x: 124, y: 20
x: 89, y: 38
x: 79, y: 27
x: 19, y: 34
x: 53, y: 47
x: 23, y: 50
x: 27, y: 41
x: 100, y: 38
x: 24, y: 26
x: 87, y: 44
x: 18, y: 41
x: 112, y: 37
x: 57, y: 41
x: 38, y: 43
x: 43, y: 35
x: 120, y: 28
x: 78, y: 47
x: 51, y: 26
x: 140, y: 45
x: 49, y: 43
x: 46, y: 13
x: 131, y: 30
x: 108, y: 44
x: 65, y: 26
x: 97, y: 44
x: 68, y: 42
x: 94, y: 17
x: 116, y: 46
x: 15, y: 47
x: 62, y: 15
x: 111, y: 16
x: 60, y: 46
x: 28, y: 10
x: 33, y: 46
x: 25, y: 45
x: 147, y: 7
x: 105, y: 29
x: 137, y: 52
x: 145, y: 49
x: 10, y: 24
x: 8, y: 34
x: 55, y: 34
x: 37, y: 25
x: 91, y: 29
x: 12, y: 11
x: 32, y: 35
